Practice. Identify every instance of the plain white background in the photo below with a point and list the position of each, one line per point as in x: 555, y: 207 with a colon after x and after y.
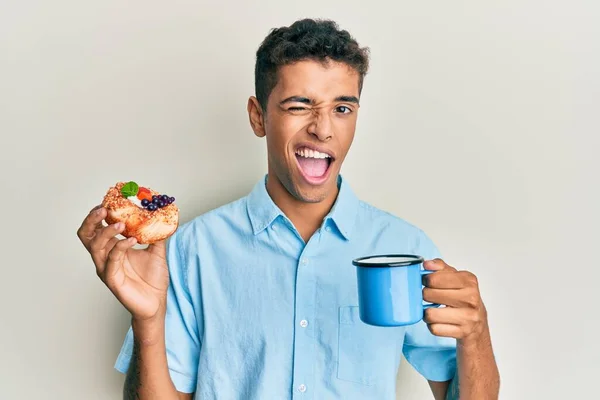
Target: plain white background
x: 479, y: 123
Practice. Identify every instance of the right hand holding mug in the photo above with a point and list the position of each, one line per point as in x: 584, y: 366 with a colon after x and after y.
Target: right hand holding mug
x: 138, y: 278
x: 465, y: 316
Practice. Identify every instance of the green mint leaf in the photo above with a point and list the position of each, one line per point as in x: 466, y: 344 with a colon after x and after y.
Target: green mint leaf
x: 130, y: 189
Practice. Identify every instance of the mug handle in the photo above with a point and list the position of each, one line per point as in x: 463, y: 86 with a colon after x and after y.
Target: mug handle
x: 430, y: 305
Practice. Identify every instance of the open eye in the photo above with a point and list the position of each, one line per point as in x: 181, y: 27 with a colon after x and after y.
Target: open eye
x: 343, y: 110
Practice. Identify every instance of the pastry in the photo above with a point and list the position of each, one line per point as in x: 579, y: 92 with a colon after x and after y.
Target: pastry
x: 148, y: 215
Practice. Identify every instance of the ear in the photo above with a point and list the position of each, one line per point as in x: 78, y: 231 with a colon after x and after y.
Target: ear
x: 256, y: 116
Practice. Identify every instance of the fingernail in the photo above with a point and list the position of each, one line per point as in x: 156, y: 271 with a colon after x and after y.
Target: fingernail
x: 119, y: 226
x: 99, y: 211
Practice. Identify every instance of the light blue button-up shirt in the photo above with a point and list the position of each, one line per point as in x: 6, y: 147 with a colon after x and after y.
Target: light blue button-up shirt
x: 254, y: 312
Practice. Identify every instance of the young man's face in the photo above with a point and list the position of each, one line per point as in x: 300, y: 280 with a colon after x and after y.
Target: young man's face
x: 309, y: 126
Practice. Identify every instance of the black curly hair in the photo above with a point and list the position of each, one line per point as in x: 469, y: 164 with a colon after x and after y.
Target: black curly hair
x: 306, y: 39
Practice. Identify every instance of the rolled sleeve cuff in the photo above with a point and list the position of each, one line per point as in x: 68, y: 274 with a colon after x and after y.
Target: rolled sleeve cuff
x: 437, y: 366
x: 124, y: 358
x: 182, y: 382
x: 122, y: 363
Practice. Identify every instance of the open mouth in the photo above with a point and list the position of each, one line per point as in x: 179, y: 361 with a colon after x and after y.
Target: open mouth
x: 313, y: 164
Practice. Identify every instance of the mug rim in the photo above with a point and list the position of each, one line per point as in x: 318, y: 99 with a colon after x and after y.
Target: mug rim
x: 359, y: 262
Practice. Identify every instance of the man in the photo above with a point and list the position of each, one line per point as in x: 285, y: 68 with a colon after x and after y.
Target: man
x: 257, y: 299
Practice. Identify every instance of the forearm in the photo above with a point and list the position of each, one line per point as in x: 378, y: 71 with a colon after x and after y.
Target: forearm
x: 477, y: 376
x: 148, y: 375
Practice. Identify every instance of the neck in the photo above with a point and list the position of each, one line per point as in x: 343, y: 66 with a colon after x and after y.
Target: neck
x: 306, y: 217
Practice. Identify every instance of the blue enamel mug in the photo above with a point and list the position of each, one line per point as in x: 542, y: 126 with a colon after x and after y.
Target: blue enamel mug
x: 390, y: 289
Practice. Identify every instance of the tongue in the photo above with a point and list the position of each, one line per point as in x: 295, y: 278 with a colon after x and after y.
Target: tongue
x: 313, y: 167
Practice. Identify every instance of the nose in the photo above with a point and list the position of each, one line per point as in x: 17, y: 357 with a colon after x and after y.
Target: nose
x: 321, y: 127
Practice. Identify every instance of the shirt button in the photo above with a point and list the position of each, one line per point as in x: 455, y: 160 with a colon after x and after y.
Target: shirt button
x: 304, y: 261
x: 302, y: 388
x: 274, y: 227
x: 328, y: 228
x: 304, y: 323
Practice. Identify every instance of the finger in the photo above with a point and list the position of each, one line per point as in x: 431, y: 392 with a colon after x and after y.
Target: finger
x: 113, y: 274
x: 450, y: 315
x: 446, y: 279
x: 111, y: 243
x: 445, y: 330
x: 100, y: 256
x: 437, y: 264
x: 92, y: 221
x: 102, y: 237
x: 461, y: 298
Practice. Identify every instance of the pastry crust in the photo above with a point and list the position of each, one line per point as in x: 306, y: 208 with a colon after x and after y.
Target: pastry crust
x: 146, y: 226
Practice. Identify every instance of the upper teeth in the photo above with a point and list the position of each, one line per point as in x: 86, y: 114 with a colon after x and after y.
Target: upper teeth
x: 308, y: 153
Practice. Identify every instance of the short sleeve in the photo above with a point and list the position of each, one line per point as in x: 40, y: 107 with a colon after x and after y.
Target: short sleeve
x: 181, y: 326
x: 431, y: 356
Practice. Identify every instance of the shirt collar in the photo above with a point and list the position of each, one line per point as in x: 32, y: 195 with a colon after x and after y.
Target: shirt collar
x: 261, y: 208
x: 345, y: 208
x: 262, y: 211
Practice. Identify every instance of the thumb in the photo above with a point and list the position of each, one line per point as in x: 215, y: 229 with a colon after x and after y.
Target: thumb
x: 158, y: 248
x: 434, y: 265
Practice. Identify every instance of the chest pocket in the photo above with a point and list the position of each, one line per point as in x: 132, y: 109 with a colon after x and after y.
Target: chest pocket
x: 366, y: 353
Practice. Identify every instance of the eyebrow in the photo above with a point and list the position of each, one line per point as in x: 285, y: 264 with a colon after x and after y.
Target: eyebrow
x: 306, y: 100
x: 347, y: 99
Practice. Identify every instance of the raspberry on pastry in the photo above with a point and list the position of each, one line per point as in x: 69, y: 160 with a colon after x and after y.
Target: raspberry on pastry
x: 148, y: 215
